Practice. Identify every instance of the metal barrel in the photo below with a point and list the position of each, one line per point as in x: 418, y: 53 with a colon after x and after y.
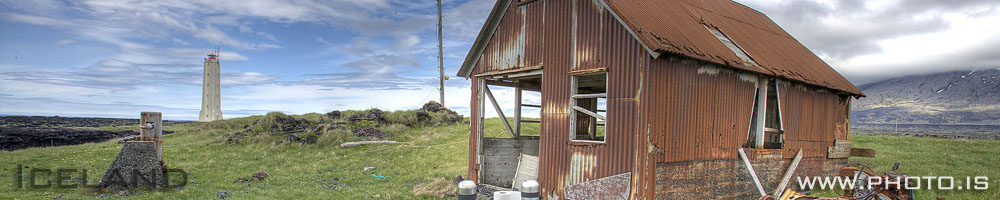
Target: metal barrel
x: 530, y: 190
x: 467, y: 190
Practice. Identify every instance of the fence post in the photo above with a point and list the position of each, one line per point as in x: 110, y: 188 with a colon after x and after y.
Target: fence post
x: 151, y: 129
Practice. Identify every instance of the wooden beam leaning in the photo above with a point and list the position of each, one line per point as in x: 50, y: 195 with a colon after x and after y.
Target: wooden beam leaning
x: 753, y: 174
x: 585, y: 111
x: 499, y: 111
x: 788, y: 174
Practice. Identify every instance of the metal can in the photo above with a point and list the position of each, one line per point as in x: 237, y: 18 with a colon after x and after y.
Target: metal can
x: 467, y: 190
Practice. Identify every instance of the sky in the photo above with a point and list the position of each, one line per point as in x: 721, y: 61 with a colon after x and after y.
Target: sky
x: 115, y: 58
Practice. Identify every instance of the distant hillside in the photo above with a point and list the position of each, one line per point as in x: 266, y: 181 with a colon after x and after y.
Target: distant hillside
x: 963, y: 97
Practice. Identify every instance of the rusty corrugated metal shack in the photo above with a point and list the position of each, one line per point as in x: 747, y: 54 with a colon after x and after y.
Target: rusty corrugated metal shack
x: 665, y: 91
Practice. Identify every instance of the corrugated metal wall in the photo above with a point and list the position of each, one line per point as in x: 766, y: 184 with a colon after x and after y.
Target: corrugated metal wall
x: 812, y: 119
x: 517, y: 42
x: 698, y: 112
x: 605, y: 44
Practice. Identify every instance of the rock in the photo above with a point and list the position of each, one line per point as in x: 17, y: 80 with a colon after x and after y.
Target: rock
x: 432, y: 106
x: 292, y: 138
x: 334, y: 114
x: 259, y: 176
x: 423, y: 116
x: 369, y: 168
x: 310, y: 139
x: 235, y: 138
x: 14, y: 138
x: 373, y: 114
x: 223, y: 194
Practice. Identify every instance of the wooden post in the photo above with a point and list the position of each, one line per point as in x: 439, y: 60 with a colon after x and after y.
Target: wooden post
x: 761, y: 113
x: 517, y: 112
x: 151, y: 129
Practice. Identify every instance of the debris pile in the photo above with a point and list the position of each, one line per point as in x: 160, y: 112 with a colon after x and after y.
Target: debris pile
x: 451, y: 117
x: 281, y: 123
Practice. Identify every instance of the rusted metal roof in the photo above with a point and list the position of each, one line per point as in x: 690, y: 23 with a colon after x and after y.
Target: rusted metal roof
x: 679, y: 27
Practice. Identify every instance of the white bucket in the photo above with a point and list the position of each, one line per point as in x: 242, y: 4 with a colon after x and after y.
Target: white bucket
x: 507, y: 195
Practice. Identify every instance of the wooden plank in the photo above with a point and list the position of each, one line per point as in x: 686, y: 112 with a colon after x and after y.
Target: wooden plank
x: 530, y: 121
x: 531, y: 105
x: 588, y: 71
x: 756, y: 181
x: 527, y: 169
x: 499, y: 111
x: 840, y: 149
x: 523, y: 86
x: 788, y: 174
x: 588, y: 96
x: 585, y: 111
x: 511, y: 71
x: 857, y: 152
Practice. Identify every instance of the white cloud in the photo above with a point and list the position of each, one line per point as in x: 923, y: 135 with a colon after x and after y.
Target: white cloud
x: 322, y: 41
x: 65, y: 42
x: 868, y: 41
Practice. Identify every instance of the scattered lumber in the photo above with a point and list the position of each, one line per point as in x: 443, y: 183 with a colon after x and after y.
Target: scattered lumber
x: 354, y: 144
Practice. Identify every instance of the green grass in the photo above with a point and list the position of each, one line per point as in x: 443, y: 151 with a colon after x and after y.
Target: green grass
x: 300, y: 171
x: 296, y: 171
x: 934, y: 157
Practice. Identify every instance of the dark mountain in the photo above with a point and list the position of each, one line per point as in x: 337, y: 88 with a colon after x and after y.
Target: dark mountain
x: 962, y: 97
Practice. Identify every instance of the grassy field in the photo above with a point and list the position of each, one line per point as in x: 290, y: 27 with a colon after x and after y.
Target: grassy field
x: 429, y: 152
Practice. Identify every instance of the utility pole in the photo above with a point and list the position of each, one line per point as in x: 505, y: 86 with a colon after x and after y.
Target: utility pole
x: 440, y: 54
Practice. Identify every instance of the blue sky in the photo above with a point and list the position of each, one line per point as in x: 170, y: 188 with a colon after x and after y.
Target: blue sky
x: 115, y: 58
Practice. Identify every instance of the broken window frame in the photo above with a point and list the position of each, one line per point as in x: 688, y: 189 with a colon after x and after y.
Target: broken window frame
x: 759, y: 118
x: 594, y: 114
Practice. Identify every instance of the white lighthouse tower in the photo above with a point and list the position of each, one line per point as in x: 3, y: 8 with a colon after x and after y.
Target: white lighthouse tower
x: 211, y: 103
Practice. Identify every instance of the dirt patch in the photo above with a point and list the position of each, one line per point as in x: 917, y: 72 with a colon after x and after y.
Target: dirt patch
x: 439, y: 187
x: 258, y: 176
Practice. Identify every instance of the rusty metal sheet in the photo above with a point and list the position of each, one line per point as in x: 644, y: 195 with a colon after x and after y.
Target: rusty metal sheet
x: 703, y: 111
x: 811, y: 118
x: 677, y: 27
